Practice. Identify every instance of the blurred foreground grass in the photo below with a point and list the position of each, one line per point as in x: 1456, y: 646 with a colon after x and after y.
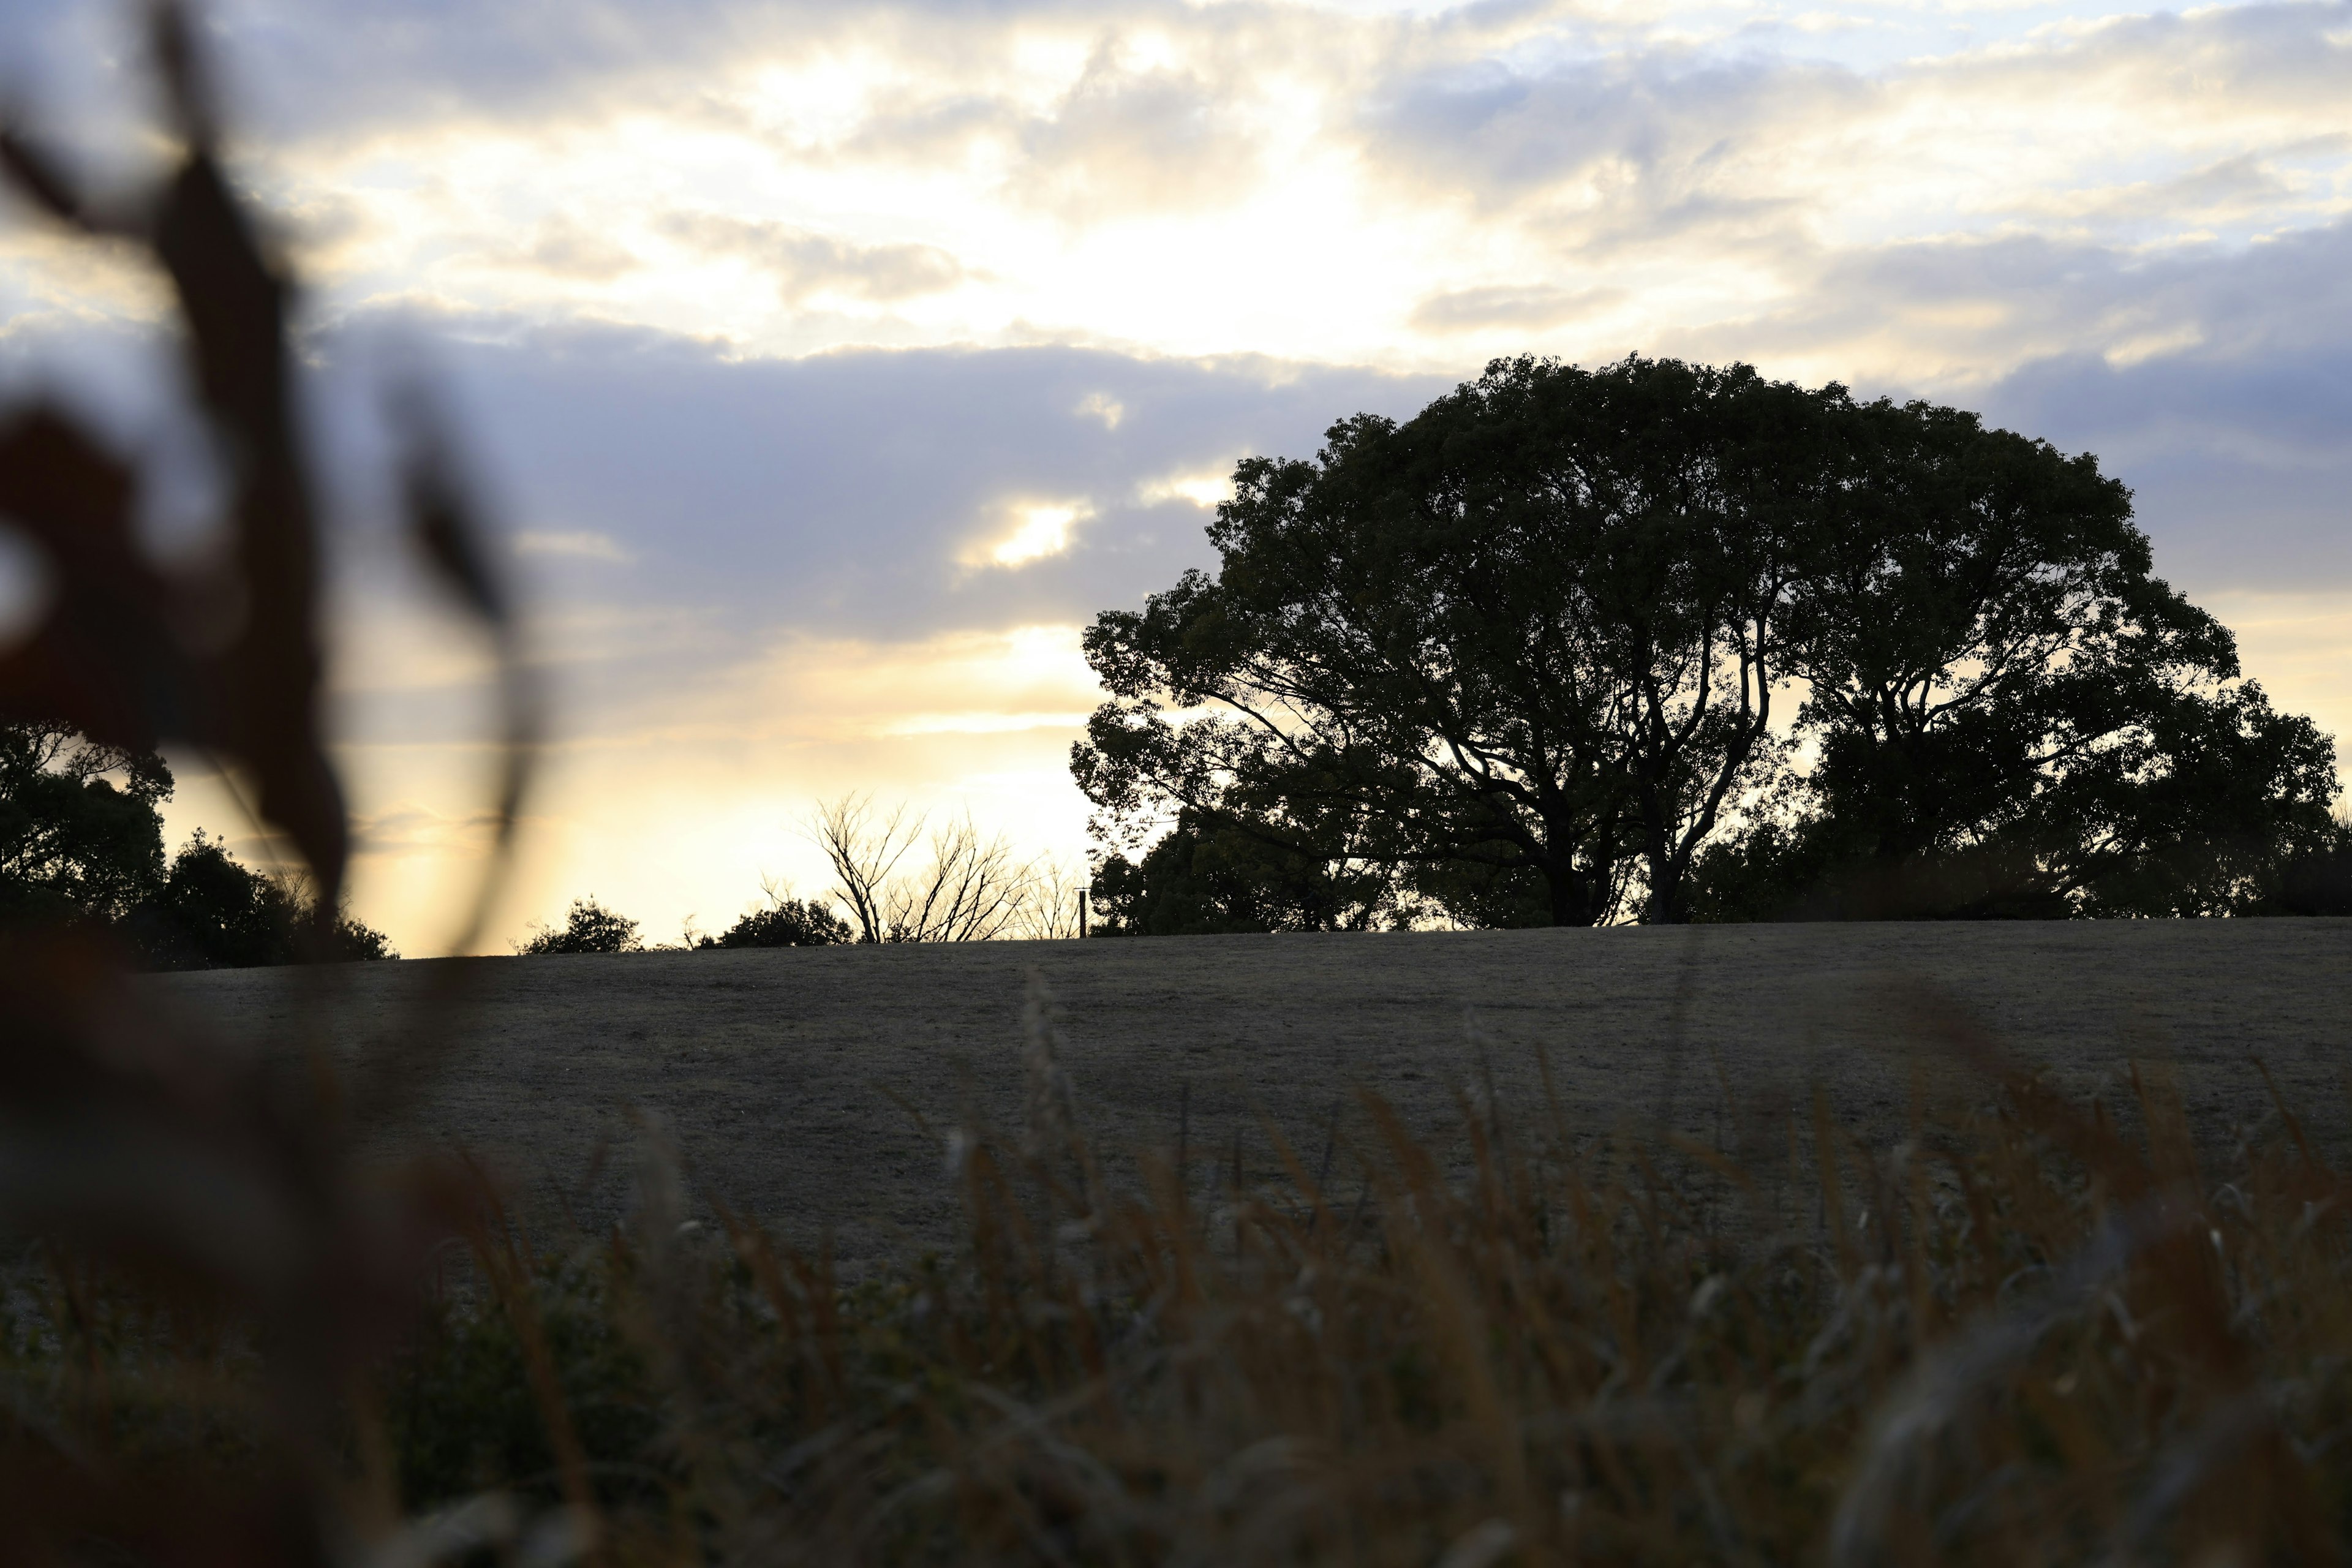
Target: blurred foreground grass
x: 2033, y: 1330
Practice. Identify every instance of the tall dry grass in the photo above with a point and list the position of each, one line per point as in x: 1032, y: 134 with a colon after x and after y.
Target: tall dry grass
x: 2027, y: 1333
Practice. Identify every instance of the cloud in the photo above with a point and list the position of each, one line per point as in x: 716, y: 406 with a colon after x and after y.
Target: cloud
x: 1202, y: 487
x: 1040, y: 529
x: 1642, y: 152
x: 1124, y: 138
x: 412, y: 830
x: 806, y: 263
x: 842, y: 493
x: 578, y: 546
x: 1675, y: 133
x: 2238, y: 465
x: 1966, y: 310
x: 565, y: 248
x: 2228, y: 189
x: 1529, y: 308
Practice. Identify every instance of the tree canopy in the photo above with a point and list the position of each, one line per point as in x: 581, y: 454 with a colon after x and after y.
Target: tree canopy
x: 1682, y: 642
x: 81, y: 843
x: 80, y: 838
x: 1204, y: 878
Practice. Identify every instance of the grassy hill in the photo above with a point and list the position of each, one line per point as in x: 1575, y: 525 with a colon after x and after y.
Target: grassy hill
x: 813, y: 1086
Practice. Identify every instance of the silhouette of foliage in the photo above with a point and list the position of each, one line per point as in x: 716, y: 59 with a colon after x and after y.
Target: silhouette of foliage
x: 589, y: 927
x: 1523, y: 650
x: 78, y: 848
x: 784, y: 922
x: 2012, y: 715
x: 213, y: 913
x: 80, y: 839
x: 1536, y: 627
x: 2317, y: 882
x: 1202, y: 878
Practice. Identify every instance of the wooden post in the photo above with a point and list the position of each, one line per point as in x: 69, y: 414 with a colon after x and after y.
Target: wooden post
x: 1082, y: 911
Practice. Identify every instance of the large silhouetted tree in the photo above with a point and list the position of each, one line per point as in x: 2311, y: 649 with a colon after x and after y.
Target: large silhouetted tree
x: 1535, y: 630
x: 1534, y: 652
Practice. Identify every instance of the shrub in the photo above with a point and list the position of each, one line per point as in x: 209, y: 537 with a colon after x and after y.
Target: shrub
x: 786, y: 922
x: 212, y: 913
x: 589, y: 927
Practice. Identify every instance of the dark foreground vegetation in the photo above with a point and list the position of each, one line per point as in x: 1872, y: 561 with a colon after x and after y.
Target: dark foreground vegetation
x: 2034, y: 1331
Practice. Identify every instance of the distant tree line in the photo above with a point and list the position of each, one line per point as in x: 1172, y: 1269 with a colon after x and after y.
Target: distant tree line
x: 892, y: 883
x: 81, y: 843
x: 1681, y: 643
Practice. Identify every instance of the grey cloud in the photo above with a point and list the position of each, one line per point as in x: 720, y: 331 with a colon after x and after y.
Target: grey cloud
x: 2268, y: 57
x: 1530, y: 309
x: 1494, y: 103
x: 1656, y: 124
x: 1979, y: 303
x: 1638, y: 141
x: 2247, y: 186
x: 1123, y: 140
x: 1118, y: 139
x: 565, y: 248
x: 2212, y: 379
x: 2239, y: 467
x: 806, y: 263
x: 341, y: 66
x: 835, y: 494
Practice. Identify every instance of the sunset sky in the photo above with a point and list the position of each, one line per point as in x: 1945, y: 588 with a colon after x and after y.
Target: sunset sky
x: 831, y: 365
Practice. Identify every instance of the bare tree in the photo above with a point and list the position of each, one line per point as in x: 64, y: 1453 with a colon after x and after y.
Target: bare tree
x: 864, y: 846
x: 975, y: 887
x: 975, y: 891
x: 1050, y: 913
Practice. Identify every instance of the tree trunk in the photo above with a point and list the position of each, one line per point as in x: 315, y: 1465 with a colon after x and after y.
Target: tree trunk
x: 1571, y: 894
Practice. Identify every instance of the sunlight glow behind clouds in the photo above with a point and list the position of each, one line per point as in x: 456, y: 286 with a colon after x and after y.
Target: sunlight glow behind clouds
x: 1044, y: 531
x: 875, y: 333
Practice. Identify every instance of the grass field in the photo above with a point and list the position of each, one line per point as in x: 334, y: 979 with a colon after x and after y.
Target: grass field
x: 1730, y: 1245
x: 793, y: 1079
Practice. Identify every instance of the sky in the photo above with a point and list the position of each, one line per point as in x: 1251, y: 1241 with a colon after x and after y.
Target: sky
x: 830, y: 366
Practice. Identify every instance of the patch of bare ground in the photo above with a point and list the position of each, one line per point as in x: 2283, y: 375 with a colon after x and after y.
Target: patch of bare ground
x: 812, y: 1087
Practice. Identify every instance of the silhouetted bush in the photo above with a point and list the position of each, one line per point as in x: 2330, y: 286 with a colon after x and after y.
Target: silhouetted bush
x: 786, y: 922
x: 212, y: 913
x: 589, y: 927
